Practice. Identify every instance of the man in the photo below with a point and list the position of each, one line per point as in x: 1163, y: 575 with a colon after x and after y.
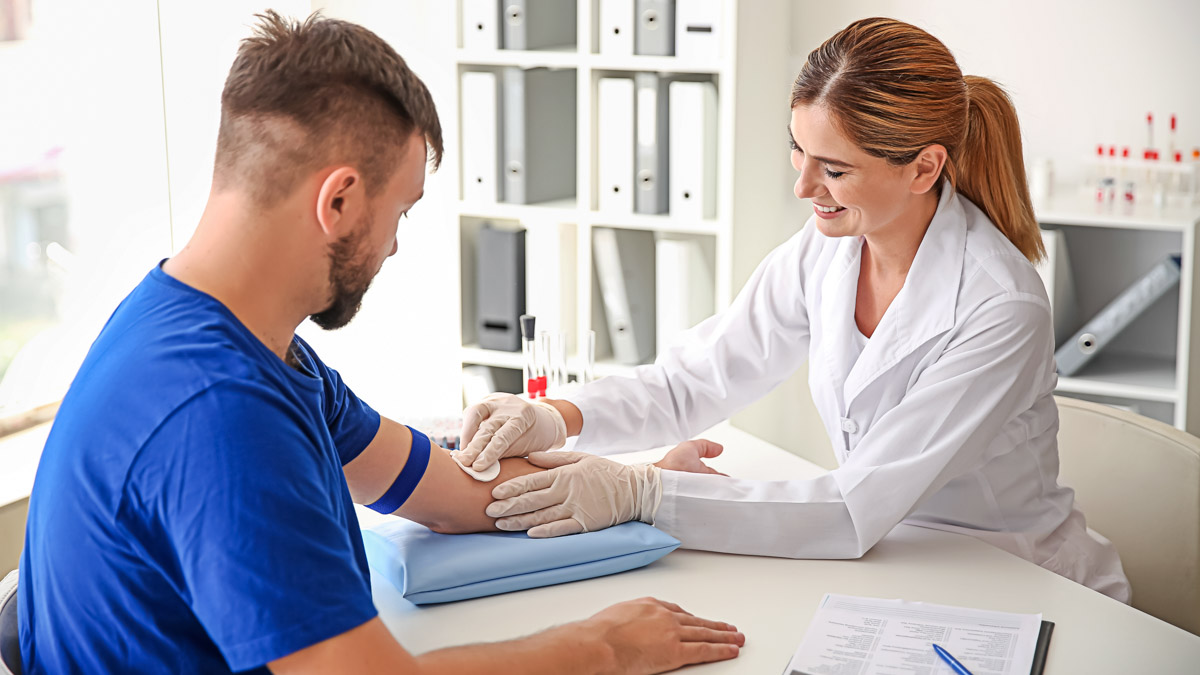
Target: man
x: 192, y: 511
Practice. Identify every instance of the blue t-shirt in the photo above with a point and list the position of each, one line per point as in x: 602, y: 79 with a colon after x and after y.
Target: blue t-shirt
x: 190, y: 514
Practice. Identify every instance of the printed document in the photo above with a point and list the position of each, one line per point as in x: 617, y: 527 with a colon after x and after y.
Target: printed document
x: 869, y: 636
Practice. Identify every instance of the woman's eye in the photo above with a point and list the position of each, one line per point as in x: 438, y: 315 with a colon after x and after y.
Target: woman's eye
x: 834, y: 174
x: 792, y: 145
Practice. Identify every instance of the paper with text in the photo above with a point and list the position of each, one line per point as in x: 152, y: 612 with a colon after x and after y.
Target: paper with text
x: 868, y: 636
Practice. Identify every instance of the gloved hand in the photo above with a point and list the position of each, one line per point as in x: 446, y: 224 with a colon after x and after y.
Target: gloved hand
x: 504, y: 425
x: 580, y: 493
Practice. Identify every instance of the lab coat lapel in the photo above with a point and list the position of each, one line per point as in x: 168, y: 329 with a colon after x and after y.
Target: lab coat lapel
x: 839, y: 289
x: 925, y: 305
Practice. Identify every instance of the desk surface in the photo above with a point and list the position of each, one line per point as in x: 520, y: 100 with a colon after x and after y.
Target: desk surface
x: 772, y: 600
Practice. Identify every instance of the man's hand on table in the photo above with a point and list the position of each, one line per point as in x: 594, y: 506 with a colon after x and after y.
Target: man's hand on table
x: 653, y: 636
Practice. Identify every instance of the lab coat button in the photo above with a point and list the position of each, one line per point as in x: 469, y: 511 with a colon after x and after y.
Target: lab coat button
x: 849, y: 426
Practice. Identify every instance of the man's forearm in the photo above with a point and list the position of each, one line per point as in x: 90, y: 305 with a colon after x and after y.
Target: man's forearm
x: 449, y: 501
x: 564, y: 649
x: 446, y: 499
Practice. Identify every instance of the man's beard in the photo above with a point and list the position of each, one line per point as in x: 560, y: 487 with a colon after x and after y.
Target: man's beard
x: 350, y: 275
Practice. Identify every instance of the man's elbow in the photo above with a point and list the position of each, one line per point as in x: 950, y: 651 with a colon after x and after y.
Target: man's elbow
x: 448, y: 527
x: 451, y: 524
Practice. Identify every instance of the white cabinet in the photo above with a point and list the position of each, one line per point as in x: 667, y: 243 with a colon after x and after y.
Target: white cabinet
x: 1148, y: 367
x: 750, y: 71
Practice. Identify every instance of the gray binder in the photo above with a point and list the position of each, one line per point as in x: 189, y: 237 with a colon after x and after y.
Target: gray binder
x: 651, y: 179
x: 654, y: 29
x: 500, y: 288
x: 1119, y: 313
x: 539, y: 134
x: 625, y: 270
x: 538, y: 24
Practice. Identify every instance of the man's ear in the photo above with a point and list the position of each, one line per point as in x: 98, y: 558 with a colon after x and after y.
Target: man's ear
x: 339, y: 201
x: 928, y: 165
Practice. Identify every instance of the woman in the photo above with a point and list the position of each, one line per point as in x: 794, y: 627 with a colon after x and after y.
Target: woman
x: 926, y: 328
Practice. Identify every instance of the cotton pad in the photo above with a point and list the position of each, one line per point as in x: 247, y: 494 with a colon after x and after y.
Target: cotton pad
x: 487, y: 475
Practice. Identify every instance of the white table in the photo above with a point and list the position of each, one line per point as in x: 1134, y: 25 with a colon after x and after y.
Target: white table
x: 772, y: 600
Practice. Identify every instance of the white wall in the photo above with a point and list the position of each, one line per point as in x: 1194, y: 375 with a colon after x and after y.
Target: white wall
x: 401, y: 353
x: 1080, y: 72
x: 396, y: 351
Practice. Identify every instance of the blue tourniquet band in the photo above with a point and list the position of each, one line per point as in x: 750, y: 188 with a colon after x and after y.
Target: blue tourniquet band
x: 410, y: 475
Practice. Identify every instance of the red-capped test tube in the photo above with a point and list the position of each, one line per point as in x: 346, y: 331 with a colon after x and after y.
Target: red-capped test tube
x: 1171, y: 139
x: 529, y: 354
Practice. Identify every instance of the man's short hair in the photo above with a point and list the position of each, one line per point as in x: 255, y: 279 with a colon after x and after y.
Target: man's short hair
x: 302, y: 95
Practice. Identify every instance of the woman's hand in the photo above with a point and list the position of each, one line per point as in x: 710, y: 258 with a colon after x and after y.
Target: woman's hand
x: 687, y: 456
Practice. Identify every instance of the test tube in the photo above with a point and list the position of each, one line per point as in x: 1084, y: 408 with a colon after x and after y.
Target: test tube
x: 1092, y: 172
x: 587, y: 372
x: 1195, y: 175
x: 529, y: 354
x: 1171, y: 139
x: 1179, y: 191
x: 543, y: 362
x: 558, y: 361
x: 563, y: 379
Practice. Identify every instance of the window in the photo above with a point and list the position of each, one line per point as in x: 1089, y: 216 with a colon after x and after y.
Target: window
x: 83, y: 188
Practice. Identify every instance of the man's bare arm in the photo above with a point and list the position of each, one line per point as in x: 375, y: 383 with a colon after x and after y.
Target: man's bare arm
x: 630, y: 638
x: 446, y: 500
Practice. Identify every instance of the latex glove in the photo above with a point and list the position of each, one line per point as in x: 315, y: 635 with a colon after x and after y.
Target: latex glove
x: 504, y: 425
x: 580, y: 493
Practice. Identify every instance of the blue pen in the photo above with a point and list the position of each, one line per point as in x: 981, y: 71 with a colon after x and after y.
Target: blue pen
x: 951, y: 661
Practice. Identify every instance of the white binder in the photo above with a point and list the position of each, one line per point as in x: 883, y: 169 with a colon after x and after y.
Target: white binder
x: 653, y: 144
x: 693, y: 150
x: 481, y: 130
x: 615, y: 142
x: 1110, y: 321
x: 616, y: 27
x: 481, y: 24
x: 1055, y: 271
x: 698, y: 30
x: 625, y: 271
x: 550, y: 275
x: 478, y: 382
x: 684, y: 288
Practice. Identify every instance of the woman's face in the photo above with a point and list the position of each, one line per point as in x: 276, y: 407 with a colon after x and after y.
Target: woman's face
x: 852, y: 193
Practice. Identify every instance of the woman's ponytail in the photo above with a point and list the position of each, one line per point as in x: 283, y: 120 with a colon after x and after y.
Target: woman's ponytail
x: 990, y: 169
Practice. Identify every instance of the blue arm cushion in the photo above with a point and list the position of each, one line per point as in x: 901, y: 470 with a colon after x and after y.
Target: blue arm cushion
x: 428, y: 567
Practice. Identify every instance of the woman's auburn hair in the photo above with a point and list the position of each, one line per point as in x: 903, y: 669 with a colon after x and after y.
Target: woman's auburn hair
x: 894, y: 90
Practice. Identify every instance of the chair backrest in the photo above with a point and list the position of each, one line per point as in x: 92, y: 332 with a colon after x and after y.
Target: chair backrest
x: 1138, y: 482
x: 10, y: 645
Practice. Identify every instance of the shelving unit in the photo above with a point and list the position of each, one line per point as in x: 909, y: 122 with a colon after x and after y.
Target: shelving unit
x: 1149, y: 367
x: 751, y: 114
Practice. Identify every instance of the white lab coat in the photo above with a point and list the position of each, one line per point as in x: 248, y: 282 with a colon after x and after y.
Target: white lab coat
x: 945, y: 420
